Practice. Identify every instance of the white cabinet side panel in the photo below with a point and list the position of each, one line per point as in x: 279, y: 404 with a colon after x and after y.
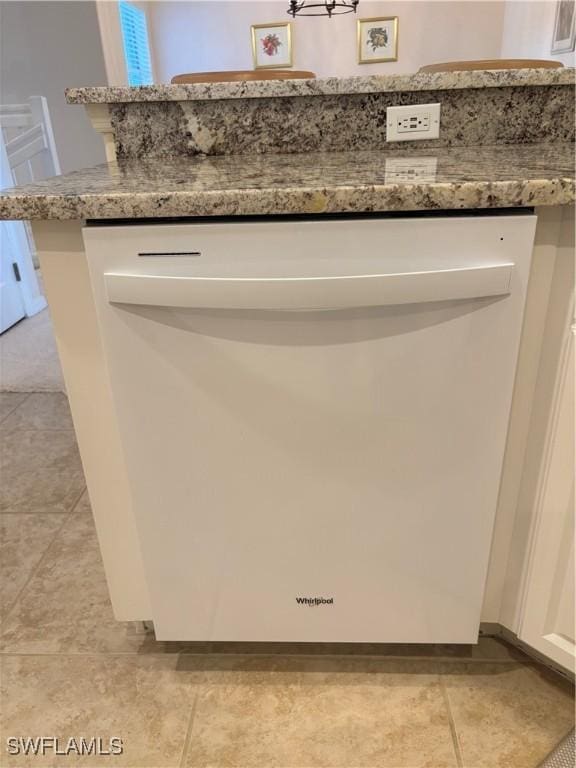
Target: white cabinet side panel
x: 63, y: 261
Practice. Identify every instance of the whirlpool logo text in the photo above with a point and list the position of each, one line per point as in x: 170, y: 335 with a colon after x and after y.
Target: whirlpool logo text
x: 314, y: 601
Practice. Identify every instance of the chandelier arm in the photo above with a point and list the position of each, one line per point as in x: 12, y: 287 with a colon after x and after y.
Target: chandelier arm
x: 330, y: 7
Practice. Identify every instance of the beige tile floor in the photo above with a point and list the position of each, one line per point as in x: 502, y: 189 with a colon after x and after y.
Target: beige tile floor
x: 69, y: 669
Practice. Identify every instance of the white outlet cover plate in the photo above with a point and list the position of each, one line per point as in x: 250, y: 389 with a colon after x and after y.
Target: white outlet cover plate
x: 416, y: 122
x: 416, y: 169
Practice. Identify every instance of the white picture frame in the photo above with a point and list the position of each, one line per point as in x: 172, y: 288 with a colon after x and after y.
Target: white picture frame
x: 272, y: 45
x: 564, y: 35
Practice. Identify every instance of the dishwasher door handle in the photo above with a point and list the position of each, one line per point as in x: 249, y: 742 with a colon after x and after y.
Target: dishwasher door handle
x: 309, y: 293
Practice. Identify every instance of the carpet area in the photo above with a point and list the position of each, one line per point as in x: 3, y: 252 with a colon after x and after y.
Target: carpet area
x: 28, y: 357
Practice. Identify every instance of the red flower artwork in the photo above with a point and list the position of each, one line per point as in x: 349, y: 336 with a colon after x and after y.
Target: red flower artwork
x: 271, y: 43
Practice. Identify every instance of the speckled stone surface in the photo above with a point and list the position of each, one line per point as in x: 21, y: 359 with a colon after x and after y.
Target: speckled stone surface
x: 322, y: 87
x: 469, y: 117
x: 445, y: 178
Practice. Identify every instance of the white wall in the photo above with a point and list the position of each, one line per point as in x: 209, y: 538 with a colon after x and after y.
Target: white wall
x: 527, y: 31
x: 47, y: 45
x: 207, y: 35
x: 44, y: 48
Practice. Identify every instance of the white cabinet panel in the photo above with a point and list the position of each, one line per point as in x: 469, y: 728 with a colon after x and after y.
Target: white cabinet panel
x: 547, y: 622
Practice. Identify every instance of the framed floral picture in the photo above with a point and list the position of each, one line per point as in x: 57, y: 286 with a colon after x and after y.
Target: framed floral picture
x: 564, y: 36
x: 272, y: 45
x: 377, y: 39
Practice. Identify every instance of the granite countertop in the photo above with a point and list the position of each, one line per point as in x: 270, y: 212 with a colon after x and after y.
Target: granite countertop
x: 436, y: 81
x: 450, y: 177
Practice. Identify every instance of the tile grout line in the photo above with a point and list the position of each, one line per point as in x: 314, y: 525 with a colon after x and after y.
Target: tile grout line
x: 48, y: 515
x: 31, y: 428
x: 27, y: 396
x: 452, y: 724
x: 189, y: 729
x: 34, y: 570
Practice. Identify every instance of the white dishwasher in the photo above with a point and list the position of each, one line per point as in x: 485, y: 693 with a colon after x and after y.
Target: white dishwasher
x: 313, y: 414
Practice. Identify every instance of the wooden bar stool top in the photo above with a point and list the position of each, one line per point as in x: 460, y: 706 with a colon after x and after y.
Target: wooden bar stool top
x: 465, y: 66
x: 248, y: 74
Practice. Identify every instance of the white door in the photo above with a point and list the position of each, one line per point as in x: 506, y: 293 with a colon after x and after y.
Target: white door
x: 29, y: 154
x: 313, y: 416
x: 11, y: 301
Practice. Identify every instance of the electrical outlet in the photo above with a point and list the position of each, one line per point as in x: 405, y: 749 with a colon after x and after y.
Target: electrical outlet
x: 413, y: 123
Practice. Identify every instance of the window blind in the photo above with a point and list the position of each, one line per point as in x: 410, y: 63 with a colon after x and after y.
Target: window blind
x: 136, y: 46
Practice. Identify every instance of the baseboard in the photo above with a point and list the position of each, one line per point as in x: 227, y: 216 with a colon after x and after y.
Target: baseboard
x: 493, y: 629
x: 33, y: 306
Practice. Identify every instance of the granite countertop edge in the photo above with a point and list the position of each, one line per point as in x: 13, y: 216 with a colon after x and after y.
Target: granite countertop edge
x: 295, y: 200
x: 498, y: 78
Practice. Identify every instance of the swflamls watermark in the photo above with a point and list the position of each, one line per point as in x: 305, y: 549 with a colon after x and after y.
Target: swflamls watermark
x: 81, y: 745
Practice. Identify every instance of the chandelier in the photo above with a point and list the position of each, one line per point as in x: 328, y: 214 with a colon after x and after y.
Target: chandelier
x: 325, y: 8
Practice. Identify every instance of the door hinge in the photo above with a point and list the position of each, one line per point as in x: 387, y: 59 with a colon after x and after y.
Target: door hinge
x: 16, y: 272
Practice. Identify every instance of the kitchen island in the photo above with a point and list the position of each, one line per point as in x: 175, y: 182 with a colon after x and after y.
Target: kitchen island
x: 503, y: 176
x: 307, y: 148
